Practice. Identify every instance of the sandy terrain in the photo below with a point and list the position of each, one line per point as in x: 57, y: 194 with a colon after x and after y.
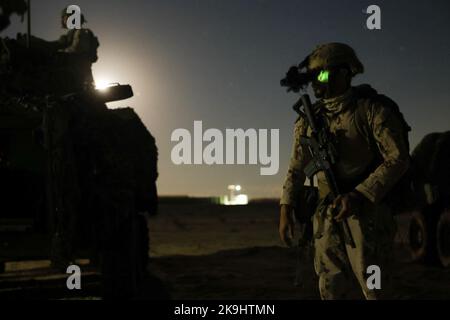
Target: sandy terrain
x: 214, y: 252
x: 204, y: 251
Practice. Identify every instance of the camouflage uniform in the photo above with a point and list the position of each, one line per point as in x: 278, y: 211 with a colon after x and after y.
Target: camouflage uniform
x: 372, y: 228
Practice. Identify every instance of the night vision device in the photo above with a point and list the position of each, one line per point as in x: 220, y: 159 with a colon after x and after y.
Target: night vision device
x: 296, y: 80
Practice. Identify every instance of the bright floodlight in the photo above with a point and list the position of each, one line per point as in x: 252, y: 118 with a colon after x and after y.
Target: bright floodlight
x: 238, y: 188
x: 101, y: 84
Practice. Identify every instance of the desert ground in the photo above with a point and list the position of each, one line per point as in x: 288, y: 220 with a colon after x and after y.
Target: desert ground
x: 204, y: 251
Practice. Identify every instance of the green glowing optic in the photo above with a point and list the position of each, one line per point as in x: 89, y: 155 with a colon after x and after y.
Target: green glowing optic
x: 323, y: 76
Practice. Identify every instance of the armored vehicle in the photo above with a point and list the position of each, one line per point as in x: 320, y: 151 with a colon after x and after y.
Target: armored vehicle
x: 77, y: 180
x: 429, y: 229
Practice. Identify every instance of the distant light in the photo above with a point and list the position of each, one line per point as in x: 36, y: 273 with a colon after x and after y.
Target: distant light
x: 233, y: 198
x: 241, y: 199
x: 238, y: 200
x: 102, y: 84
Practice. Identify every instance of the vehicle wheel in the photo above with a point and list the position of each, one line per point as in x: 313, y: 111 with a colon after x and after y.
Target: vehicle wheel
x: 138, y: 253
x: 125, y: 254
x: 422, y: 235
x: 443, y: 238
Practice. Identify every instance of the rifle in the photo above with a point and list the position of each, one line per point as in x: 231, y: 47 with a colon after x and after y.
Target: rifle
x: 323, y: 156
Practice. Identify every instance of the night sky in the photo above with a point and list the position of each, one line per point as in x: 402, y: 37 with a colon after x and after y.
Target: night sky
x: 221, y: 62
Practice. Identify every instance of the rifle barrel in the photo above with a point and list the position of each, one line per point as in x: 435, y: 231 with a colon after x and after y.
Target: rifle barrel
x: 306, y: 101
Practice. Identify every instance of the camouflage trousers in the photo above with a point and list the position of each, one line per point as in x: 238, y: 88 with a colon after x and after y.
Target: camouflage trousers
x: 337, y: 264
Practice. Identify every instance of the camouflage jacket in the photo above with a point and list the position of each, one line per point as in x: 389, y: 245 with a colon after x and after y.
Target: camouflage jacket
x: 356, y: 155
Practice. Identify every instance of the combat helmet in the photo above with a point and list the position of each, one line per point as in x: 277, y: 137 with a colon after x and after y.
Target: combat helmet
x: 332, y: 55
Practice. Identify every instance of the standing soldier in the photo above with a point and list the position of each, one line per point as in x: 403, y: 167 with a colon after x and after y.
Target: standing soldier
x: 370, y: 139
x: 7, y: 8
x: 79, y: 46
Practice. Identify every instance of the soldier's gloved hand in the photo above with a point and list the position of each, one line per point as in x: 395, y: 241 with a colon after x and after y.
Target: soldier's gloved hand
x: 287, y: 224
x: 347, y: 205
